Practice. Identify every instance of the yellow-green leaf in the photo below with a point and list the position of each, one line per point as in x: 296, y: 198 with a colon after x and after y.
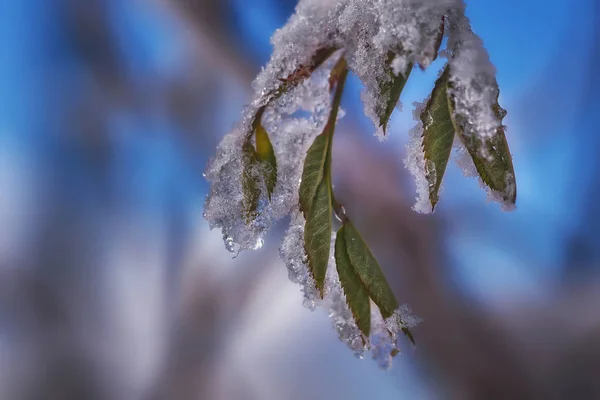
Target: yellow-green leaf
x: 250, y: 184
x: 356, y: 293
x: 438, y: 135
x: 317, y: 233
x: 390, y: 89
x: 266, y: 154
x: 490, y: 155
x: 367, y: 268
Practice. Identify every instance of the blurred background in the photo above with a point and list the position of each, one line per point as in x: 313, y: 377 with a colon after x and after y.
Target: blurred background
x: 113, y: 287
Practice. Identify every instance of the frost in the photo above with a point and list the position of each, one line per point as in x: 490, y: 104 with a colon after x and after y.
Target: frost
x: 465, y: 163
x: 293, y: 255
x: 415, y: 162
x: 473, y: 82
x: 380, y: 40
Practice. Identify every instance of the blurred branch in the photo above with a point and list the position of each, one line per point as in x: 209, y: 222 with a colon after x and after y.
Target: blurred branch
x: 208, y: 20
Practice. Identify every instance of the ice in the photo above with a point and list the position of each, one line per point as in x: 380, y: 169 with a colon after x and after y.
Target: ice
x: 465, y: 163
x: 293, y: 255
x: 415, y: 162
x: 369, y: 34
x: 473, y: 82
x: 383, y: 341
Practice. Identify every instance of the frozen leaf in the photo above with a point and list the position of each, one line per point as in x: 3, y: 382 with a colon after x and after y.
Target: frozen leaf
x: 477, y: 116
x: 367, y: 268
x: 266, y: 155
x: 390, y: 90
x: 277, y: 161
x: 438, y: 135
x: 250, y: 181
x: 355, y: 291
x: 316, y: 199
x: 490, y: 153
x: 318, y: 158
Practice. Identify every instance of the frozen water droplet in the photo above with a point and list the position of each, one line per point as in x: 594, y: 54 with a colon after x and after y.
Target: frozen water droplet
x: 229, y: 243
x: 259, y: 243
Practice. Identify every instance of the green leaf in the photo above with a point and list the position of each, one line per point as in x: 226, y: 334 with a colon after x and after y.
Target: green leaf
x: 390, y: 89
x: 250, y: 184
x: 438, y: 135
x: 490, y: 155
x: 316, y: 198
x: 369, y: 272
x: 315, y: 168
x: 362, y: 279
x: 317, y: 233
x: 356, y: 293
x: 266, y: 154
x: 316, y: 204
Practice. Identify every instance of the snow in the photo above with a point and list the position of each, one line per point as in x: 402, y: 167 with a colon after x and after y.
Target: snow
x: 415, y: 162
x: 365, y: 32
x: 473, y: 82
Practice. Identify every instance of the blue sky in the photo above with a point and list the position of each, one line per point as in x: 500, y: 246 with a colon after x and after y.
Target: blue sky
x: 542, y: 52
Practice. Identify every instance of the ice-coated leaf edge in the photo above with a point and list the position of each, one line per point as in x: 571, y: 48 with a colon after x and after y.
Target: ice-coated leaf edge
x: 491, y: 155
x: 357, y: 297
x: 392, y: 88
x: 438, y: 136
x: 368, y: 270
x: 263, y: 156
x: 315, y: 192
x: 359, y: 271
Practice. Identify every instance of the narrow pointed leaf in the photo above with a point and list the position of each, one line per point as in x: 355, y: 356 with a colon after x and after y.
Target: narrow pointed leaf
x: 316, y: 198
x: 250, y: 184
x: 438, y: 135
x: 266, y: 154
x: 354, y: 289
x: 490, y: 155
x: 318, y: 157
x: 367, y: 268
x: 317, y: 233
x: 390, y: 89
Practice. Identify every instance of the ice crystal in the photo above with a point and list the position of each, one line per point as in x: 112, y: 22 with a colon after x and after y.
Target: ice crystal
x: 380, y: 40
x: 415, y: 162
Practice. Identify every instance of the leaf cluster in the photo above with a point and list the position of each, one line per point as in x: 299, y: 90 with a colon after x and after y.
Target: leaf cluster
x: 360, y: 275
